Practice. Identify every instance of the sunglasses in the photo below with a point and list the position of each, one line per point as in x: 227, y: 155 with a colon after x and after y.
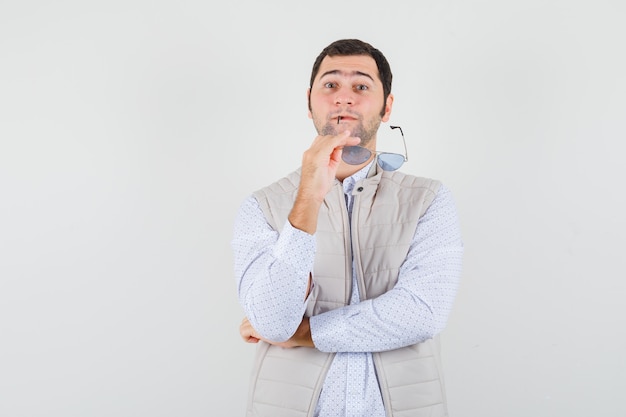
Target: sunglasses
x: 356, y: 155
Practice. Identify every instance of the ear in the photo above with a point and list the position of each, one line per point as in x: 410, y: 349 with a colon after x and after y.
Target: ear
x: 388, y: 106
x: 308, y: 101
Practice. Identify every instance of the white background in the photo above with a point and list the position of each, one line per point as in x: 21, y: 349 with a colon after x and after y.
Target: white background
x: 130, y: 132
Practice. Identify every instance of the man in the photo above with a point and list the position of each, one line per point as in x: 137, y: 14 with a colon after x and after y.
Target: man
x: 346, y: 268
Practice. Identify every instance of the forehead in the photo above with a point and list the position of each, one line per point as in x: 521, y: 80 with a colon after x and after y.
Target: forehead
x: 349, y: 65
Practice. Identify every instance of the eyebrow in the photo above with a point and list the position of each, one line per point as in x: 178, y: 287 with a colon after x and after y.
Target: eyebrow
x: 352, y: 73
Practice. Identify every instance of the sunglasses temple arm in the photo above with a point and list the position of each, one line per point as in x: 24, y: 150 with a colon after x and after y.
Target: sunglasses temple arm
x: 406, y: 152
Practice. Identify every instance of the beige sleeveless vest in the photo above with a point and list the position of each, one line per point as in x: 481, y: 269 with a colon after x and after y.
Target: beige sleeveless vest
x: 387, y: 207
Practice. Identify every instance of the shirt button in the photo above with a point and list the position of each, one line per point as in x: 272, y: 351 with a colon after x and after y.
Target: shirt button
x: 359, y: 189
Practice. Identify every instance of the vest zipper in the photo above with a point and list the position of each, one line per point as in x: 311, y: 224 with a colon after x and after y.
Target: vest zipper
x: 378, y: 365
x: 354, y: 239
x: 347, y: 244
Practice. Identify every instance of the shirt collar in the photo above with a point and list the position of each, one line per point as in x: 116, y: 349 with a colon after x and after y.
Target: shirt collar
x: 350, y: 182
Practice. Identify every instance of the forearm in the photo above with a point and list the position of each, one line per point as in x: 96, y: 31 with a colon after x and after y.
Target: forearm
x: 417, y: 307
x: 273, y: 298
x: 272, y: 272
x: 303, y: 215
x: 405, y: 315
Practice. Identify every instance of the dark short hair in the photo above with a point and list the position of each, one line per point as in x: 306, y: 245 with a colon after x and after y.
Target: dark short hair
x: 345, y: 47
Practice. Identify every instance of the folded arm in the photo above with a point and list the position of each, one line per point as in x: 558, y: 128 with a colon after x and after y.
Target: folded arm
x: 272, y: 269
x: 272, y: 272
x: 417, y: 308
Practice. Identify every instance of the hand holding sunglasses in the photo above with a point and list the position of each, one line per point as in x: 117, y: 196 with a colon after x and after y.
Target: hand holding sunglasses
x: 356, y: 155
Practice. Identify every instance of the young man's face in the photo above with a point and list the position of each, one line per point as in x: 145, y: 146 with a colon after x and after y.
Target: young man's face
x: 349, y: 87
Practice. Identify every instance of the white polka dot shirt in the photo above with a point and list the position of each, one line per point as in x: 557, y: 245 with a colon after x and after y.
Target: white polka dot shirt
x: 272, y: 271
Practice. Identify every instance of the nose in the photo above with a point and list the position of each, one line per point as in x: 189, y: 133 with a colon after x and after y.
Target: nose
x: 344, y: 96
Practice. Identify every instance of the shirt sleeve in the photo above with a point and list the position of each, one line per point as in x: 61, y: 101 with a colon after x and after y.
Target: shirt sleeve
x: 272, y: 271
x: 418, y: 306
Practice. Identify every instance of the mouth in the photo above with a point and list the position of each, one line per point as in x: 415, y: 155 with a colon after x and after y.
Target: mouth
x: 345, y: 119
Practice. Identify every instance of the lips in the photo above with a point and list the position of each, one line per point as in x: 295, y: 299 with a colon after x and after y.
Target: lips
x: 342, y: 118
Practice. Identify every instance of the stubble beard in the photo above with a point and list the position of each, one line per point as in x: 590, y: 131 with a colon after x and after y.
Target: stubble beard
x: 366, y: 132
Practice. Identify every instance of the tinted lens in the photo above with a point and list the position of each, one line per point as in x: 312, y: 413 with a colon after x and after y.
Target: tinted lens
x: 355, y: 155
x: 390, y: 161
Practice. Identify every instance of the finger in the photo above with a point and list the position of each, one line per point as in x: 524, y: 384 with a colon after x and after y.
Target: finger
x: 245, y: 330
x: 352, y: 140
x: 332, y: 141
x: 248, y: 333
x: 343, y: 139
x: 342, y: 142
x: 336, y: 154
x: 334, y: 144
x: 249, y: 338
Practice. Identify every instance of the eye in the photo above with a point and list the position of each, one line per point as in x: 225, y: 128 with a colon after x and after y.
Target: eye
x: 361, y: 87
x: 330, y: 85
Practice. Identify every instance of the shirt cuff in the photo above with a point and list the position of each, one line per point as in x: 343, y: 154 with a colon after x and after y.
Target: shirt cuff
x: 330, y: 329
